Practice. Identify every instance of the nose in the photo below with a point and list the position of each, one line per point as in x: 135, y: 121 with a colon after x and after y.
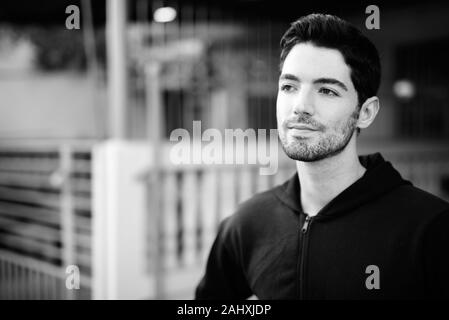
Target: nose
x: 303, y: 102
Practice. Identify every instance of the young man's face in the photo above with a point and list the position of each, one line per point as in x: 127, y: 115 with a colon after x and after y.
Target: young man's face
x: 316, y: 103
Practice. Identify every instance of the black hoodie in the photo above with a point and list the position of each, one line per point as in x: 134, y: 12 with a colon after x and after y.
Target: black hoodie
x: 381, y: 238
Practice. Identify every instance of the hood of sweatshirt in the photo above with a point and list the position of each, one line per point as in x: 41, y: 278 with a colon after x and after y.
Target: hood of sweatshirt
x: 380, y: 177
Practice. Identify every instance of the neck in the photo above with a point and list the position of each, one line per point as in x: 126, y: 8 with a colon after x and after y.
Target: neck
x: 323, y: 180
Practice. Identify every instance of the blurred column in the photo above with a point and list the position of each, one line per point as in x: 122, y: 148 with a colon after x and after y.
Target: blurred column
x: 117, y: 75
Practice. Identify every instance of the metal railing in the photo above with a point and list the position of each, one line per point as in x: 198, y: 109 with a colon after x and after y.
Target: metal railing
x: 45, y: 219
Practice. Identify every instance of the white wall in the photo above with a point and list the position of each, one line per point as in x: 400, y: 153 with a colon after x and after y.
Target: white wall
x: 50, y: 105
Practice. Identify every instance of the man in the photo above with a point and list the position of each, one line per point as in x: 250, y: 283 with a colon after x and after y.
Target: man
x: 343, y: 227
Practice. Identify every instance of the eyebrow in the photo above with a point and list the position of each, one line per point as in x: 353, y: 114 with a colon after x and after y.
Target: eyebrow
x: 288, y: 76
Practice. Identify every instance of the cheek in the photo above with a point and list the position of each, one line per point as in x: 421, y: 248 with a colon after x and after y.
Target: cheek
x: 282, y: 109
x: 335, y: 122
x: 333, y: 114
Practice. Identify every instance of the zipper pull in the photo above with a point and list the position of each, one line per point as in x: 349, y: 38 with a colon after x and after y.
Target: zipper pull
x: 306, y: 224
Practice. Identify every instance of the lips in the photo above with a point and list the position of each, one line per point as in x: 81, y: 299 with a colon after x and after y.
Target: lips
x: 300, y: 127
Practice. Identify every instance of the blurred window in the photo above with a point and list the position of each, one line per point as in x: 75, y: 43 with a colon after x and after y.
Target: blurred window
x: 426, y: 114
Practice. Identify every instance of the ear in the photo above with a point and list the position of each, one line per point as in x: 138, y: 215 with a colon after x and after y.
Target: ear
x: 368, y: 112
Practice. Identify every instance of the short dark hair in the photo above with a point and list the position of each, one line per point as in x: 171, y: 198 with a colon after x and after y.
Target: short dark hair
x: 360, y: 54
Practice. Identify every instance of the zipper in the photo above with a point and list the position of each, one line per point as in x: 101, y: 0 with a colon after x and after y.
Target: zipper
x: 305, y: 225
x: 303, y: 239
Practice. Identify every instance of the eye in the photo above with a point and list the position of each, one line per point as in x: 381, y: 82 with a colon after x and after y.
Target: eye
x: 287, y: 88
x: 329, y: 92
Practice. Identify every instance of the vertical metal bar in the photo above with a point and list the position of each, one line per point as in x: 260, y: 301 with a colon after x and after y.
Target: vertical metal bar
x: 245, y: 183
x: 210, y: 80
x: 18, y: 282
x: 28, y: 284
x: 2, y: 278
x: 24, y: 282
x: 208, y: 211
x: 202, y: 80
x: 89, y: 36
x: 21, y: 282
x: 53, y: 288
x: 154, y: 104
x: 67, y: 212
x: 190, y: 207
x: 117, y: 75
x: 178, y: 101
x: 14, y: 286
x: 154, y: 130
x: 227, y: 192
x: 38, y: 285
x: 8, y: 274
x: 45, y: 287
x: 8, y: 291
x: 188, y: 32
x: 92, y: 63
x: 170, y: 224
x: 31, y: 284
x: 6, y: 278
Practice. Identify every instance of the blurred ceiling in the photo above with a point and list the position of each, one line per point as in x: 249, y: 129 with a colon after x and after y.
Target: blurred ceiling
x: 52, y: 12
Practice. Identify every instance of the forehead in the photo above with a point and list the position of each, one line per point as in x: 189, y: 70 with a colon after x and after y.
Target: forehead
x: 308, y: 62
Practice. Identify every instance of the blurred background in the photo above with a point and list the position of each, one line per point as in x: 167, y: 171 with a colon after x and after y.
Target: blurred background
x: 86, y: 115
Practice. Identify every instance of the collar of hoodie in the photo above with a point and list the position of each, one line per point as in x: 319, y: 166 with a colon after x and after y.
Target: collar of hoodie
x: 380, y: 177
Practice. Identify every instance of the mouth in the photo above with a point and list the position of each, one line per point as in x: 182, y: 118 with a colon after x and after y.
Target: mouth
x: 301, y: 127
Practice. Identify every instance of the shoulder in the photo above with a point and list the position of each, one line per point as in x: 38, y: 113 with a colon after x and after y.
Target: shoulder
x: 261, y: 216
x: 418, y: 199
x: 413, y: 206
x: 251, y: 210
